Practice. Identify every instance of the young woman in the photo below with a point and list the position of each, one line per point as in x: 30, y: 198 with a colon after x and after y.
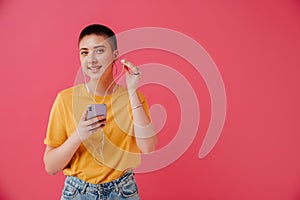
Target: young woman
x: 97, y: 155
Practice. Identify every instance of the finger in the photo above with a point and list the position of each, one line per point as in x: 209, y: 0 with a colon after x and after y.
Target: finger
x: 101, y: 124
x: 128, y: 65
x: 92, y: 131
x: 97, y: 126
x: 100, y: 117
x: 132, y: 71
x: 84, y: 116
x: 127, y: 69
x: 93, y: 125
x: 95, y: 120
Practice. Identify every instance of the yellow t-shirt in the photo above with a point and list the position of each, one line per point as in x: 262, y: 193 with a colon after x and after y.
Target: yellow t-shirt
x: 98, y: 159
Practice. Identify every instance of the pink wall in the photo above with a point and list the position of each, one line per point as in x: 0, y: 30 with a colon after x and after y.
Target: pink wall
x: 256, y: 47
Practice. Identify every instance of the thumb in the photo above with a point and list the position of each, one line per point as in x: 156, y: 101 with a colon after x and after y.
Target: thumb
x: 84, y: 116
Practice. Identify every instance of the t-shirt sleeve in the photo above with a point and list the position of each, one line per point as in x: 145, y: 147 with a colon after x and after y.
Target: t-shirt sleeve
x: 56, y: 131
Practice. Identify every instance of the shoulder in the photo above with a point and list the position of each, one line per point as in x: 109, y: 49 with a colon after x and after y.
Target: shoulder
x: 69, y: 92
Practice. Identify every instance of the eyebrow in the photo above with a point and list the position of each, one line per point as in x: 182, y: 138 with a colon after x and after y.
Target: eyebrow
x: 95, y: 47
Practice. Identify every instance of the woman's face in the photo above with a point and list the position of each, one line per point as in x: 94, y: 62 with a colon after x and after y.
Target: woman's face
x: 96, y: 56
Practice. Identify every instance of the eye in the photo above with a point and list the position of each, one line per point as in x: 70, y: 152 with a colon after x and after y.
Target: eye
x: 84, y: 53
x: 99, y: 51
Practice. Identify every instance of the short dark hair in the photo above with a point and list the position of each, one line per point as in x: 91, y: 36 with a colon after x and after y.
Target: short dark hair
x: 100, y: 30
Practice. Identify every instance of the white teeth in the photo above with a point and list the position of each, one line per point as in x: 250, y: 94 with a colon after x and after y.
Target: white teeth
x: 94, y: 68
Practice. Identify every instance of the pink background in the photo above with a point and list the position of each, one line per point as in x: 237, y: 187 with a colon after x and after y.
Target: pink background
x: 255, y: 45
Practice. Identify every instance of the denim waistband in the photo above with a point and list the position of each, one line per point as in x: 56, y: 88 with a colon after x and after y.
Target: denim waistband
x: 114, y: 184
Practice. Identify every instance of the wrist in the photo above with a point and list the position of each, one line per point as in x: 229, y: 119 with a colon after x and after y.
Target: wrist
x: 76, y: 137
x: 137, y: 106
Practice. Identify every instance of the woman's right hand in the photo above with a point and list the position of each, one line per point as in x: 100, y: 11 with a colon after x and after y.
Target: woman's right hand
x: 86, y: 127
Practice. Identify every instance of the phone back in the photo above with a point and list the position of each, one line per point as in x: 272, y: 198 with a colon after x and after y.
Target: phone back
x: 96, y: 110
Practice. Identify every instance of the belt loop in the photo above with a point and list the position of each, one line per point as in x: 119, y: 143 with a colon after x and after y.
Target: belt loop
x: 84, y: 188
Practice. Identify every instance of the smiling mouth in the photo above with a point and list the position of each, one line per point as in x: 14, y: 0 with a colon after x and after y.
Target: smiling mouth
x: 94, y: 69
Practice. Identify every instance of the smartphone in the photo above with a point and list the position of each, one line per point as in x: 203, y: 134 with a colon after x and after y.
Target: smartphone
x: 96, y: 110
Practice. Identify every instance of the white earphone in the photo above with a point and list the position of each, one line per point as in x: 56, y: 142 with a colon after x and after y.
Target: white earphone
x: 87, y: 87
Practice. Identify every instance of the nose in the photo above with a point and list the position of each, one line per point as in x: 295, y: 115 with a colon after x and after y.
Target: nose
x: 91, y: 58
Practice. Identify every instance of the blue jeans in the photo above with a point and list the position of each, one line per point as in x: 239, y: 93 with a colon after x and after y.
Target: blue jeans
x: 123, y: 188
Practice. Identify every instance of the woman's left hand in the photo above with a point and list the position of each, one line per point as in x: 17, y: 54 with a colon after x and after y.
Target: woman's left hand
x: 132, y: 75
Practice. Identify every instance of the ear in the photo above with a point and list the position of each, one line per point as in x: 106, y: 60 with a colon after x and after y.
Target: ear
x: 115, y: 55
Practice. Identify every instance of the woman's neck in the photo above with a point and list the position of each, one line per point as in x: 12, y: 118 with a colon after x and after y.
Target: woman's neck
x: 102, y: 86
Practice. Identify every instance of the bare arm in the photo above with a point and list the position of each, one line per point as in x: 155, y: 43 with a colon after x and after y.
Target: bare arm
x: 146, y: 138
x: 145, y: 135
x: 56, y: 159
